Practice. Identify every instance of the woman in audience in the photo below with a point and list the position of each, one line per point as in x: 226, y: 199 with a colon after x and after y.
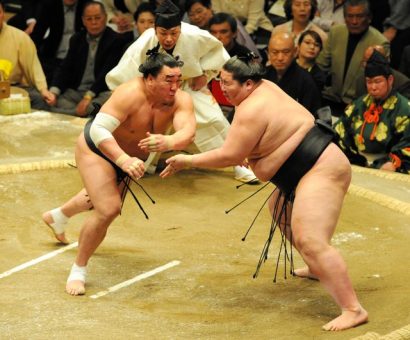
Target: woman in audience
x: 300, y: 14
x: 309, y: 47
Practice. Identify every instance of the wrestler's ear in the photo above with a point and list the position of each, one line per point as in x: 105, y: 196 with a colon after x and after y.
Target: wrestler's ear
x: 248, y: 83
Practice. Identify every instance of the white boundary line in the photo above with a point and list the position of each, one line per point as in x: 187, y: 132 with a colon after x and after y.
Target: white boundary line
x: 135, y: 279
x: 38, y: 260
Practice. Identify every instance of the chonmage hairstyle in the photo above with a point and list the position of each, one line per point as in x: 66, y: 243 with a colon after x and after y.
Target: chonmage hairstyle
x: 156, y: 61
x: 245, y: 68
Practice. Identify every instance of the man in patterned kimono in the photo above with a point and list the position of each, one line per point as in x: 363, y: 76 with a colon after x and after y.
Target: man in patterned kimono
x: 375, y: 129
x: 203, y: 56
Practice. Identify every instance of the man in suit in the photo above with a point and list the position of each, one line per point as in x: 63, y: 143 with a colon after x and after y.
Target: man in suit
x: 56, y: 22
x: 91, y: 55
x: 343, y: 51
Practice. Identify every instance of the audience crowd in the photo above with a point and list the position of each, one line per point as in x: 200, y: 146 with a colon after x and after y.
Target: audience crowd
x: 322, y: 53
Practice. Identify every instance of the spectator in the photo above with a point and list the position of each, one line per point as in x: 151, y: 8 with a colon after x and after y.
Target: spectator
x: 329, y: 13
x: 92, y: 53
x: 120, y: 14
x: 57, y: 21
x: 249, y: 12
x: 200, y: 13
x: 203, y: 56
x: 288, y: 75
x: 300, y: 14
x: 401, y: 83
x: 144, y: 18
x: 397, y: 29
x: 223, y: 27
x: 405, y: 61
x: 27, y: 73
x: 342, y: 54
x: 309, y: 47
x: 375, y: 129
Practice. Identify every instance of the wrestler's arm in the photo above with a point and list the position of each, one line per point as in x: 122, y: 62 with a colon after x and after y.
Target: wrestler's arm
x: 244, y: 133
x: 184, y: 122
x: 119, y: 106
x: 184, y: 125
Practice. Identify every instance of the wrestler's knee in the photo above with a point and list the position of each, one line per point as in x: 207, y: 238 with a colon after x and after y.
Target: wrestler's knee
x: 108, y: 212
x: 310, y: 247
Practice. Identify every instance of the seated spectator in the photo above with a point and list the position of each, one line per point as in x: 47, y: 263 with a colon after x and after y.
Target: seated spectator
x: 144, y: 18
x: 342, y: 54
x: 401, y: 83
x: 309, y: 47
x: 405, y: 61
x: 249, y: 12
x: 375, y: 129
x: 91, y: 55
x: 57, y: 21
x: 27, y: 73
x: 223, y: 27
x: 288, y: 75
x: 120, y: 14
x: 329, y: 13
x: 300, y: 14
x: 200, y: 13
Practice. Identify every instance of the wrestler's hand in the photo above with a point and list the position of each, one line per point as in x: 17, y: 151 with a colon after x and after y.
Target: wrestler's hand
x: 133, y: 166
x: 155, y: 143
x: 198, y: 83
x: 175, y: 164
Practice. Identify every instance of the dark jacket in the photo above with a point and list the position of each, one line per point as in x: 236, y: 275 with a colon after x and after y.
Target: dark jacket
x: 109, y: 51
x: 298, y: 84
x: 50, y: 16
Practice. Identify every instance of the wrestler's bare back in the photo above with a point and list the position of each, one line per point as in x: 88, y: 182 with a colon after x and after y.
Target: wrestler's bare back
x: 142, y: 115
x: 284, y: 124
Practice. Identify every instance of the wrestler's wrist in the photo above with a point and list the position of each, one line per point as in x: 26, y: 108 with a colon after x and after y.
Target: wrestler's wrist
x: 169, y: 142
x: 188, y: 161
x: 122, y: 159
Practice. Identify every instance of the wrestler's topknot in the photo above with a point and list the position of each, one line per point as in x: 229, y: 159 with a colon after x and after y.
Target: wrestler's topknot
x: 245, y: 67
x: 156, y: 60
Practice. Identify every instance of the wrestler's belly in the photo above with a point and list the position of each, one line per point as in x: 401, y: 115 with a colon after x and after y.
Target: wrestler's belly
x: 131, y: 147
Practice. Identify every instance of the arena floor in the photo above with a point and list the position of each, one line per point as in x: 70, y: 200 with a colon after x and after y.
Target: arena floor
x: 184, y: 273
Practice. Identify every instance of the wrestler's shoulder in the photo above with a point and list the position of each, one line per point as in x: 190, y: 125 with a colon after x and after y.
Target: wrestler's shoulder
x: 183, y: 97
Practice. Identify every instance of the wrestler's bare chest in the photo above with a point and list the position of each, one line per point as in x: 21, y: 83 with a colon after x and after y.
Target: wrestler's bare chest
x: 155, y: 120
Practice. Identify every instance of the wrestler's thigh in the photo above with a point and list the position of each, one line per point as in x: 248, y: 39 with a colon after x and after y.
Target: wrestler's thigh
x: 316, y: 208
x: 99, y: 178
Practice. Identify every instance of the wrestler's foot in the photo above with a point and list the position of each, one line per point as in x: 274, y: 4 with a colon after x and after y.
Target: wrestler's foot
x: 348, y: 319
x: 56, y: 228
x: 305, y: 272
x: 76, y: 280
x: 245, y: 175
